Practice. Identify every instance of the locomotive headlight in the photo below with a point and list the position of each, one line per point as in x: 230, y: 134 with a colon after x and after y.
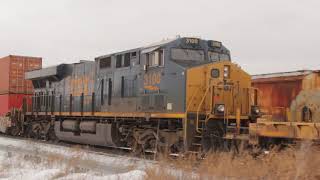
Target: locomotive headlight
x: 219, y: 109
x: 226, y: 72
x: 255, y: 110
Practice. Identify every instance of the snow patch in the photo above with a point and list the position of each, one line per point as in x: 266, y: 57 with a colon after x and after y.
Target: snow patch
x: 24, y: 160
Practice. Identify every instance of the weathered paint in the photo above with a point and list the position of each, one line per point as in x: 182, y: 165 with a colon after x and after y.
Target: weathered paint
x: 284, y: 96
x: 291, y: 130
x: 277, y: 92
x: 4, y: 105
x: 9, y: 101
x: 311, y: 81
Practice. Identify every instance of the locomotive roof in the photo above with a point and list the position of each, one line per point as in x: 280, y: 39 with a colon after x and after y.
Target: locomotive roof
x: 147, y: 48
x: 159, y: 43
x: 282, y: 74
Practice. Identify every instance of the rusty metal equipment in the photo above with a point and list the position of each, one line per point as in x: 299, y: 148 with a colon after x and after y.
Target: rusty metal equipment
x: 302, y: 114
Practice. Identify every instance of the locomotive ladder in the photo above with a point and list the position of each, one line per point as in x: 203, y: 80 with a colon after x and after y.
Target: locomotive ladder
x: 197, y: 138
x: 200, y: 122
x: 201, y: 119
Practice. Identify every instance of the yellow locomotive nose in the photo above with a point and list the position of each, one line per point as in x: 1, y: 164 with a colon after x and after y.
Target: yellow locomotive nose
x: 211, y: 88
x: 219, y: 94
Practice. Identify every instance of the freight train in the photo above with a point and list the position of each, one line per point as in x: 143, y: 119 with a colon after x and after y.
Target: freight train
x: 178, y: 95
x: 13, y: 86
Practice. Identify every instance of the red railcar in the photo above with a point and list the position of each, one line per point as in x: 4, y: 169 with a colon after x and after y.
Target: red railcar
x: 10, y: 101
x: 278, y: 90
x: 13, y: 86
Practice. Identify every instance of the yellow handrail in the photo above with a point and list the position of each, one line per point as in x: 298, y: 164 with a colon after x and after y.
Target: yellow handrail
x: 199, y: 107
x: 203, y: 99
x: 192, y: 98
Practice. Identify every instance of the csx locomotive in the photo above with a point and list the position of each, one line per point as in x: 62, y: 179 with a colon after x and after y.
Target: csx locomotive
x: 180, y: 95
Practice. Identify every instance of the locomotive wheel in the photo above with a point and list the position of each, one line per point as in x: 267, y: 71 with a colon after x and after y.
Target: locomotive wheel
x: 33, y: 131
x: 178, y: 147
x: 147, y: 139
x: 136, y: 148
x: 14, y: 131
x: 213, y: 136
x: 51, y: 135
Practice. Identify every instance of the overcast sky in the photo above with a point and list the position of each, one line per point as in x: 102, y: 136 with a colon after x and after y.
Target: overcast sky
x: 262, y: 35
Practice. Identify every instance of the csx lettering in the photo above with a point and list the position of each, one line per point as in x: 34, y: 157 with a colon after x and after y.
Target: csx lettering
x: 152, y: 79
x: 79, y: 86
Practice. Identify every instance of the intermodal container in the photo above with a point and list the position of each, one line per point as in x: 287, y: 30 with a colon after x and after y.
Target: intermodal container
x: 12, y: 73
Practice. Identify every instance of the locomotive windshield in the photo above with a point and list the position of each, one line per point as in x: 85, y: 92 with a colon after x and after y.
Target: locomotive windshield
x: 214, y: 56
x: 187, y: 54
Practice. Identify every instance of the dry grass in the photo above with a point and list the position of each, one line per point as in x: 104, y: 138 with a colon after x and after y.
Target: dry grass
x: 292, y: 163
x: 296, y: 163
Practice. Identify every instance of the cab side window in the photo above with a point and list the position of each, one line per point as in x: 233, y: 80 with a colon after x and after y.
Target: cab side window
x: 105, y: 62
x: 126, y: 60
x: 118, y: 61
x: 155, y: 58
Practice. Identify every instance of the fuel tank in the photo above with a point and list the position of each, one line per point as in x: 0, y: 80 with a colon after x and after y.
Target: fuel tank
x: 104, y: 134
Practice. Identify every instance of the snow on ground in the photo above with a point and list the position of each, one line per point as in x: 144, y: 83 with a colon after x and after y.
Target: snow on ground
x: 26, y: 159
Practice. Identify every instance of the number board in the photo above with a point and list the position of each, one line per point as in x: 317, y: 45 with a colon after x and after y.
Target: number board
x: 215, y: 44
x: 192, y: 41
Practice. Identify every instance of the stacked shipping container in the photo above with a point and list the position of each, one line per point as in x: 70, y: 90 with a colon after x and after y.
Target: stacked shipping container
x: 13, y: 86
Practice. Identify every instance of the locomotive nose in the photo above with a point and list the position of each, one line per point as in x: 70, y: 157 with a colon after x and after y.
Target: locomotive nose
x: 218, y: 88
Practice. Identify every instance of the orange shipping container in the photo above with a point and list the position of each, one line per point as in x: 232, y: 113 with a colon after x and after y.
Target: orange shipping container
x: 12, y: 73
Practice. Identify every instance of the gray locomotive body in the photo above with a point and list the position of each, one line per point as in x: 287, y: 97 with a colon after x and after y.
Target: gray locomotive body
x: 132, y: 99
x: 148, y: 79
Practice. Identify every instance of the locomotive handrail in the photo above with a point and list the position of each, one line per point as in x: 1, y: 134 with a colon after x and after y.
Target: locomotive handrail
x: 198, y: 110
x: 192, y: 98
x: 202, y: 100
x: 226, y: 112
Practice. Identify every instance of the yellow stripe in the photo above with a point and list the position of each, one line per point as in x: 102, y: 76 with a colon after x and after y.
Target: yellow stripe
x: 117, y: 114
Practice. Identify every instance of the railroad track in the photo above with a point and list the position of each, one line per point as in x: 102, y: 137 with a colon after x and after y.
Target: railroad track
x: 106, y: 151
x: 148, y: 155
